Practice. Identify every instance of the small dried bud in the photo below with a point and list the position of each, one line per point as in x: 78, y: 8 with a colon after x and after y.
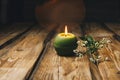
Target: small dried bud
x: 80, y: 55
x: 83, y: 45
x: 101, y: 46
x: 92, y: 60
x: 97, y: 61
x: 99, y: 57
x: 75, y: 51
x: 78, y: 42
x: 109, y: 41
x: 85, y: 42
x: 103, y: 41
x: 107, y: 59
x: 96, y: 44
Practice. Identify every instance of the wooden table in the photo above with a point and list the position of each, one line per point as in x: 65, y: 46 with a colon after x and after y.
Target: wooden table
x: 27, y: 53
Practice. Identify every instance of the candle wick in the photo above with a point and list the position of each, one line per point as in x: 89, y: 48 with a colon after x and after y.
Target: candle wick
x: 65, y: 35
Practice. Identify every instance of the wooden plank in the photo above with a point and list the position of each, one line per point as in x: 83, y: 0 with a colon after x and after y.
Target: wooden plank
x: 113, y: 48
x: 116, y: 36
x: 86, y: 30
x: 95, y: 72
x: 108, y: 69
x: 10, y: 32
x: 114, y: 53
x: 54, y: 67
x: 19, y: 59
x: 96, y: 30
x: 114, y: 27
x: 11, y: 40
x: 48, y: 69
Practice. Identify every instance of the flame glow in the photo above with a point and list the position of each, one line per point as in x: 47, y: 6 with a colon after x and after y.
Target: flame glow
x: 66, y: 31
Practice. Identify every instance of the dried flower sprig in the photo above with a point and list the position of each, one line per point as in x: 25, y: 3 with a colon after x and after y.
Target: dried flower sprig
x: 88, y: 46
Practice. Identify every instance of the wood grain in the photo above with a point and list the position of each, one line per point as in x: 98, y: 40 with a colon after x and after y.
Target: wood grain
x: 114, y: 27
x: 19, y: 59
x: 48, y: 68
x: 108, y: 69
x: 96, y: 30
x: 10, y: 32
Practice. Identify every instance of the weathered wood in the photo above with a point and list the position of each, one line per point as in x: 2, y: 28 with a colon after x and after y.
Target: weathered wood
x: 114, y: 53
x: 11, y: 40
x: 108, y: 69
x: 54, y: 67
x: 10, y: 32
x: 113, y: 48
x: 88, y: 29
x: 115, y: 35
x: 95, y: 72
x: 48, y: 68
x: 96, y: 30
x: 114, y: 27
x: 38, y: 61
x: 19, y: 59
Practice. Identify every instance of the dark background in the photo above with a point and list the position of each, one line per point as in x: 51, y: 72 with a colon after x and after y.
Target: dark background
x: 12, y: 11
x: 103, y: 10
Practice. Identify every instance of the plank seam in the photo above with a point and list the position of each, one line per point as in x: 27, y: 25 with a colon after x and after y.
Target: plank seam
x: 116, y: 36
x: 15, y: 38
x: 46, y: 44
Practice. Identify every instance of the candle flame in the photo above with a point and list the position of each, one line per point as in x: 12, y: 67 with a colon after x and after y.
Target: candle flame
x: 66, y: 31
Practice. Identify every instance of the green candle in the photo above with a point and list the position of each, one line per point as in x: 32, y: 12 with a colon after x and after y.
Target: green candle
x: 65, y: 43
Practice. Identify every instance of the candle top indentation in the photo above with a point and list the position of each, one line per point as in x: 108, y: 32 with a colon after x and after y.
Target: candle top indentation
x: 68, y: 35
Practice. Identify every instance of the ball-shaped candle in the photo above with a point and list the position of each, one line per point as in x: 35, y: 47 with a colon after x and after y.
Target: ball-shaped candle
x: 65, y: 43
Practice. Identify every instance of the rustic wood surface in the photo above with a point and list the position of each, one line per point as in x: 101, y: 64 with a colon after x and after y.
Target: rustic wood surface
x: 115, y: 27
x: 12, y: 31
x: 19, y: 60
x: 108, y: 69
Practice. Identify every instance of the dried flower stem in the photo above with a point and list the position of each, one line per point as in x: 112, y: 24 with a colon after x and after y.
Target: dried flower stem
x: 91, y: 48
